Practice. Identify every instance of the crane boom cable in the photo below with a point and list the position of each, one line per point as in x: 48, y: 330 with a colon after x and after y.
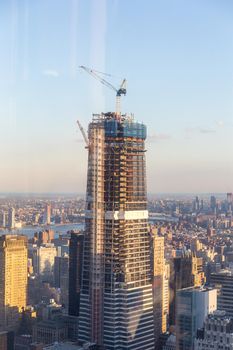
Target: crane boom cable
x: 96, y: 76
x: 119, y: 92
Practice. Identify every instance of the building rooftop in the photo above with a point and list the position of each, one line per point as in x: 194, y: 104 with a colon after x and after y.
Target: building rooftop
x: 62, y: 346
x: 51, y: 324
x: 223, y: 272
x: 220, y: 314
x: 201, y: 289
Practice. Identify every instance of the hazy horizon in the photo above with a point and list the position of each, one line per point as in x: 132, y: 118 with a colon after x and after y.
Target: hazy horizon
x: 83, y: 194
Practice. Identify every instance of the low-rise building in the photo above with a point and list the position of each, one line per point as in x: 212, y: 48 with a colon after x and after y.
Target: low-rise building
x: 50, y: 331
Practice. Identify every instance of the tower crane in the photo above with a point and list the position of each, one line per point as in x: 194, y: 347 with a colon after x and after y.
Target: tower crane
x: 120, y: 91
x: 83, y: 133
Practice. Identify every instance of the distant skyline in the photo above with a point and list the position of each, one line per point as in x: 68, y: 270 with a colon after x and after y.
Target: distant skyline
x: 177, y: 57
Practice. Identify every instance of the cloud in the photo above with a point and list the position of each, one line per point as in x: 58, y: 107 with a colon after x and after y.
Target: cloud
x: 219, y: 123
x: 190, y: 130
x: 199, y: 129
x: 158, y: 137
x: 51, y: 73
x: 206, y: 130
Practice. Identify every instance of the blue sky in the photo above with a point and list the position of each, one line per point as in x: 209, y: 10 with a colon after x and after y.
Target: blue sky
x: 177, y: 57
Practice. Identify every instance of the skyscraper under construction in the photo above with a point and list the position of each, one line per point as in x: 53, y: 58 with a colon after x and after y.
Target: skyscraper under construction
x: 116, y: 308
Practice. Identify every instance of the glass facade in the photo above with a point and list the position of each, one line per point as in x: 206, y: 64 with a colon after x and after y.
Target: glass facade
x: 75, y: 272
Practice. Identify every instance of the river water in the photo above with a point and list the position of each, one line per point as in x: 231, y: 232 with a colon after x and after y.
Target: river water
x: 30, y: 230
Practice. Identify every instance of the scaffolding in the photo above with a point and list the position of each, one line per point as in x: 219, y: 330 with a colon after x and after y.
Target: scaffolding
x: 117, y: 239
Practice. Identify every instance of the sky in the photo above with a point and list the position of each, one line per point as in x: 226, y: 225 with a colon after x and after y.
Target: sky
x: 177, y: 57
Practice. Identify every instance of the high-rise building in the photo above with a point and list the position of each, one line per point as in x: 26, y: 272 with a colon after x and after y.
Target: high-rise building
x: 75, y: 271
x: 158, y: 276
x: 11, y: 218
x: 13, y: 279
x: 192, y: 307
x: 3, y: 219
x: 202, y: 204
x: 196, y: 245
x: 47, y: 214
x: 61, y: 277
x: 6, y: 340
x: 229, y: 202
x: 196, y: 204
x: 186, y: 271
x: 116, y: 307
x: 198, y: 273
x: 166, y: 292
x: 180, y: 277
x: 213, y: 203
x: 223, y: 281
x: 217, y: 333
x: 170, y: 343
x: 229, y: 198
x: 210, y: 231
x: 43, y: 237
x: 43, y: 259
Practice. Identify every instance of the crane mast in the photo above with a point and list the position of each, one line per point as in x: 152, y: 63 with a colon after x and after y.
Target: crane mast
x: 119, y: 92
x: 83, y: 133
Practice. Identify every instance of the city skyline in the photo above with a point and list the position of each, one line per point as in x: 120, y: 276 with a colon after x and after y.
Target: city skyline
x: 90, y: 271
x: 116, y: 212
x: 177, y: 59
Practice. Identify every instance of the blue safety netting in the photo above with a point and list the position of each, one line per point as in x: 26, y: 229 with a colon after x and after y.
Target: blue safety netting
x: 124, y: 128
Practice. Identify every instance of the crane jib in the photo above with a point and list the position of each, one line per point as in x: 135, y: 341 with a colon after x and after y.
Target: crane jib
x: 120, y: 91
